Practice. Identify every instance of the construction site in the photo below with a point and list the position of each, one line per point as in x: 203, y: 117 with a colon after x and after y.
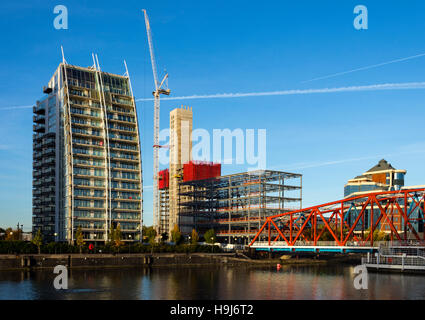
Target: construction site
x: 249, y: 207
x: 194, y: 194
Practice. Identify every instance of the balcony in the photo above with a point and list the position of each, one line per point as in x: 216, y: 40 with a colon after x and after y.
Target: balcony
x: 39, y: 118
x: 49, y: 200
x: 48, y: 141
x: 37, y: 164
x: 48, y: 171
x: 49, y: 180
x: 47, y: 90
x: 36, y: 183
x: 36, y: 174
x: 79, y: 93
x: 48, y: 161
x: 49, y: 189
x: 39, y: 128
x: 48, y: 151
x: 120, y: 101
x: 39, y: 109
x: 36, y: 155
x: 36, y: 145
x: 37, y: 136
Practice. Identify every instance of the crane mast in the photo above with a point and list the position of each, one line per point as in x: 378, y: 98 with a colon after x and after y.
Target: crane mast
x: 160, y: 88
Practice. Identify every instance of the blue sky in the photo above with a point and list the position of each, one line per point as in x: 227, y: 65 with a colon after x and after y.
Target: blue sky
x: 231, y: 47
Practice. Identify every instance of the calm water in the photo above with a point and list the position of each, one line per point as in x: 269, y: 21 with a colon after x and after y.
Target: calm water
x: 297, y: 282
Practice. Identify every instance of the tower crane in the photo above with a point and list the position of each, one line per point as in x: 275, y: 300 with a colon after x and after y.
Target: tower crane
x: 160, y: 88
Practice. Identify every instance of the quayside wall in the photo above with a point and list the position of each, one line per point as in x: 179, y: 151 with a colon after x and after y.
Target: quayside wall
x: 35, y: 261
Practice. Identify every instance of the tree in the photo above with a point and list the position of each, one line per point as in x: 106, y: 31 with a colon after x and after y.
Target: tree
x: 80, y: 238
x: 9, y: 234
x: 210, y: 236
x: 150, y: 233
x: 2, y: 234
x: 164, y: 236
x: 176, y: 234
x: 195, y: 237
x: 118, y: 238
x: 38, y: 240
x: 111, y: 235
x: 326, y: 235
x: 115, y: 237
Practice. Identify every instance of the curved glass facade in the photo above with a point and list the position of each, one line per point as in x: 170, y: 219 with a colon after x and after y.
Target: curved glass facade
x: 98, y: 156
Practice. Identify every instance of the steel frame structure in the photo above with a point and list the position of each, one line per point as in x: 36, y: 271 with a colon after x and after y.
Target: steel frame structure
x: 345, y: 220
x: 237, y: 205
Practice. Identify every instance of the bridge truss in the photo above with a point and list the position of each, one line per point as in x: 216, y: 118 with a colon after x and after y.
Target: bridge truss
x: 349, y: 221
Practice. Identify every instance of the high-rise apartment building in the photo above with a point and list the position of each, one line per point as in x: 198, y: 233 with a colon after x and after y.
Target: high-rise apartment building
x: 180, y: 153
x: 87, y: 168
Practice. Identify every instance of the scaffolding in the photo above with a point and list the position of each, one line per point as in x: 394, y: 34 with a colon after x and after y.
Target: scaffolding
x: 237, y: 205
x: 164, y: 209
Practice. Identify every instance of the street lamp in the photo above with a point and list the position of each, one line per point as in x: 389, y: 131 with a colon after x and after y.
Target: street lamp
x: 129, y: 245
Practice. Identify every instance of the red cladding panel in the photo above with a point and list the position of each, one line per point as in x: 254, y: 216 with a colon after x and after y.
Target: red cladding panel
x: 163, y: 179
x: 200, y: 170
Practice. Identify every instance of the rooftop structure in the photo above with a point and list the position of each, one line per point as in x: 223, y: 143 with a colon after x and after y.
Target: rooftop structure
x: 381, y: 177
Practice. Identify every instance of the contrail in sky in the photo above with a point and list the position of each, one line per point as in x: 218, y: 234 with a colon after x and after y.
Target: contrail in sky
x: 373, y: 87
x: 16, y: 107
x: 365, y: 68
x: 300, y: 166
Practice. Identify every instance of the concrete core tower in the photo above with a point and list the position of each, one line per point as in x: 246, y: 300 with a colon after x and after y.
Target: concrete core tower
x: 180, y: 153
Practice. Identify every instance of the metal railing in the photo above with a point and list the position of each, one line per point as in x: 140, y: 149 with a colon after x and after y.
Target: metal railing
x: 395, y: 260
x: 408, y: 246
x: 318, y: 244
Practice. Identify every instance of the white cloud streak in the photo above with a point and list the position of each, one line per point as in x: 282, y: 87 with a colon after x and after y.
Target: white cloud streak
x: 299, y: 166
x: 373, y: 87
x: 365, y: 68
x: 16, y: 107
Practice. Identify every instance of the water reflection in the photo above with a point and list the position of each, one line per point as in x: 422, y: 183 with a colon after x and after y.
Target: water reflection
x: 296, y: 282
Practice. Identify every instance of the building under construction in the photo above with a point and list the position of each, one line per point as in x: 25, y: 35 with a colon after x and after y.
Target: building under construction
x: 237, y: 205
x: 194, y: 194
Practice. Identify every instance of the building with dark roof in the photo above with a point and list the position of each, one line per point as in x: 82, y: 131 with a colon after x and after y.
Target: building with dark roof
x: 381, y: 177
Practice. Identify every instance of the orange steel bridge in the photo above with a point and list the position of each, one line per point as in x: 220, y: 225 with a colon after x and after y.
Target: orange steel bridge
x: 348, y: 223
